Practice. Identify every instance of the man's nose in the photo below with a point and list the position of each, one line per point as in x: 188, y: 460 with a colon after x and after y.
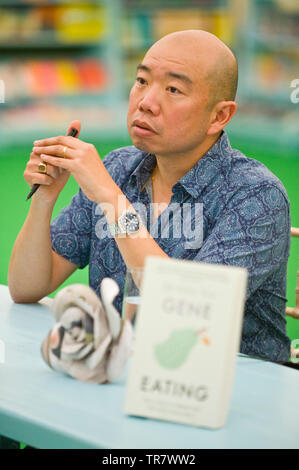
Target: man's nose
x: 150, y: 101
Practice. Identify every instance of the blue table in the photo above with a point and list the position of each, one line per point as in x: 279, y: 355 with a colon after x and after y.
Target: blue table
x: 48, y: 410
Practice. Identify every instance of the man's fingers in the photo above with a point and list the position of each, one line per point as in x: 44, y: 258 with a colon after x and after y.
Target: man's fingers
x: 63, y: 140
x: 71, y: 142
x: 41, y: 178
x: 56, y: 161
x: 34, y: 177
x: 52, y: 171
x: 55, y: 150
x: 74, y: 125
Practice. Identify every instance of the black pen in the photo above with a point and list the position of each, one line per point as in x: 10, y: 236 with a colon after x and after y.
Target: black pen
x: 73, y: 132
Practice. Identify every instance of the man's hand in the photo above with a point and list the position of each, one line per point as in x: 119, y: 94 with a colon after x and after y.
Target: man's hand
x: 82, y: 160
x: 51, y: 183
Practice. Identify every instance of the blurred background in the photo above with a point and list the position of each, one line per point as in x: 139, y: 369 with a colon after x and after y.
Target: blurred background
x: 64, y: 60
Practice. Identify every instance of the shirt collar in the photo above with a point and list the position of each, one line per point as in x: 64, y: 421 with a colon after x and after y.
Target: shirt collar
x: 207, y: 168
x: 198, y: 177
x: 144, y: 169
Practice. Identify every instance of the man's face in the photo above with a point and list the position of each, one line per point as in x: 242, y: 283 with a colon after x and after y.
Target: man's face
x: 168, y: 112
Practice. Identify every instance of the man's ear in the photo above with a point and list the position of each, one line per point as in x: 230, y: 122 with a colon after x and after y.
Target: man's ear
x: 221, y: 115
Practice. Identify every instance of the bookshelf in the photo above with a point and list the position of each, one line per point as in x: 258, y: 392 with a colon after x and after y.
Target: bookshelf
x: 268, y: 38
x: 60, y: 60
x: 146, y: 21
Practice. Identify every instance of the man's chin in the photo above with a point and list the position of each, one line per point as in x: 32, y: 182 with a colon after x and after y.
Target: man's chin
x: 143, y: 146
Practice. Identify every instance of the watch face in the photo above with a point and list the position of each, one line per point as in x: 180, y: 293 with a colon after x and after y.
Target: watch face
x: 131, y: 222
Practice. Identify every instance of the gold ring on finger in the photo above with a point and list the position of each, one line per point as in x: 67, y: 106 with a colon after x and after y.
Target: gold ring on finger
x: 64, y: 152
x: 42, y: 167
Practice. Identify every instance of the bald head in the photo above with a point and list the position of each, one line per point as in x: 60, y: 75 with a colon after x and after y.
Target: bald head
x: 214, y: 60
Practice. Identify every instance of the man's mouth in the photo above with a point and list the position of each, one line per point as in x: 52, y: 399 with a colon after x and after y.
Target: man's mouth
x: 143, y: 126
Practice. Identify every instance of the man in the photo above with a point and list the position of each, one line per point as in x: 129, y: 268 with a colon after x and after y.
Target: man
x: 182, y: 99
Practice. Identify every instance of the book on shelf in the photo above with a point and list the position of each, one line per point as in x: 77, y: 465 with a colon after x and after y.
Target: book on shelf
x: 44, y: 78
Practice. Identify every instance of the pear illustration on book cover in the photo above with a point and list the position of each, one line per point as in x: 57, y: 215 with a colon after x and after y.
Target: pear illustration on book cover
x: 174, y: 352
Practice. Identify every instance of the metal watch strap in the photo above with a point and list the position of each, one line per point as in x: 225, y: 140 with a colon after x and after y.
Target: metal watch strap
x: 116, y: 228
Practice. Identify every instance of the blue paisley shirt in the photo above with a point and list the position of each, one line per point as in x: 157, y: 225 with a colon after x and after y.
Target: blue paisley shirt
x: 245, y: 222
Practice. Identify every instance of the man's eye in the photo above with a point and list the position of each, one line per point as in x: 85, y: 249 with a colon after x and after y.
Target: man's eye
x: 141, y: 80
x: 173, y: 90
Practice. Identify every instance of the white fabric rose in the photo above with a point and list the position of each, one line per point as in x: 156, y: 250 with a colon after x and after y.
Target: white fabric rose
x: 90, y: 342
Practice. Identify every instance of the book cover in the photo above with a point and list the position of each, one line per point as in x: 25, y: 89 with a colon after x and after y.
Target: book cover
x: 188, y: 331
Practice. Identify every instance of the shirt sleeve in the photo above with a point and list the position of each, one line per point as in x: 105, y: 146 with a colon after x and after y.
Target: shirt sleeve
x: 252, y: 232
x: 70, y: 231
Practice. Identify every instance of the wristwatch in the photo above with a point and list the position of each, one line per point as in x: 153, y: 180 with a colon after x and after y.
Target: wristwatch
x: 127, y: 224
